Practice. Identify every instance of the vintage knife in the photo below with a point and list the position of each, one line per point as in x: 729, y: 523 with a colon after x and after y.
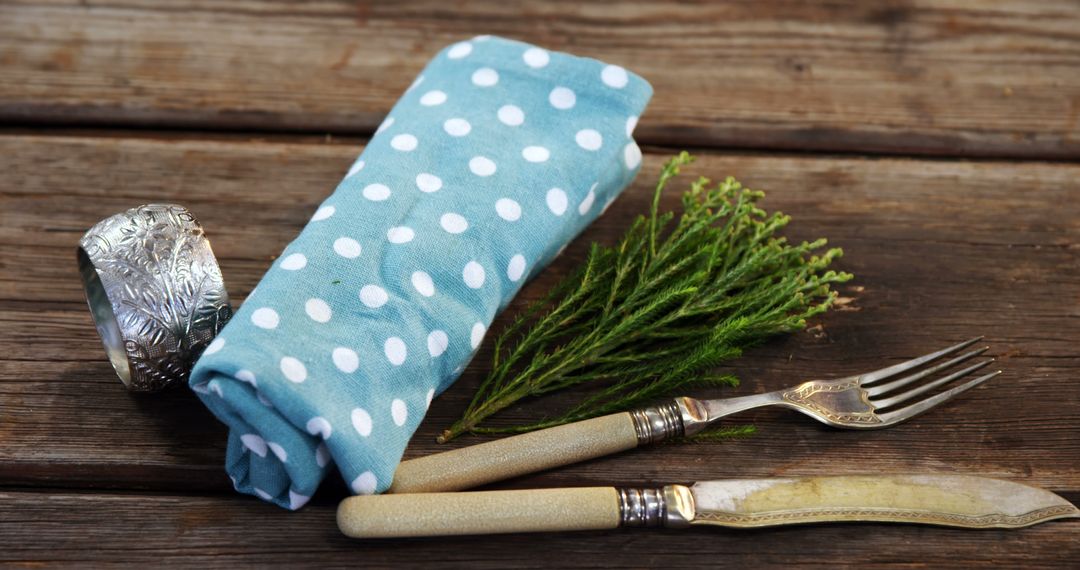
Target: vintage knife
x: 946, y: 500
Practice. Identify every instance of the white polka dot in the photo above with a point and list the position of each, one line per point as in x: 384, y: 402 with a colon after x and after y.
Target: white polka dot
x: 263, y: 494
x: 215, y: 387
x: 361, y: 421
x: 556, y: 201
x: 459, y: 50
x: 437, y: 342
x: 345, y: 359
x: 323, y: 213
x: 481, y: 38
x: 423, y: 283
x: 632, y: 155
x: 293, y: 369
x: 399, y: 411
x: 263, y: 400
x: 428, y: 182
x: 473, y: 275
x: 457, y: 127
x: 319, y: 426
x: 476, y: 336
x: 536, y: 154
x: 416, y: 83
x: 432, y: 98
x: 278, y: 451
x: 511, y: 115
x: 265, y: 318
x: 322, y: 455
x: 536, y: 57
x: 482, y: 166
x: 356, y: 167
x: 516, y: 268
x: 246, y: 375
x: 453, y: 223
x: 562, y: 98
x: 294, y: 262
x: 589, y: 139
x: 429, y: 397
x: 400, y: 234
x: 607, y: 205
x: 395, y: 350
x: 384, y: 125
x: 365, y: 483
x: 318, y: 310
x: 347, y: 247
x: 485, y: 77
x: 255, y: 443
x: 214, y: 346
x: 614, y: 76
x: 404, y: 142
x: 587, y: 203
x: 376, y: 192
x: 631, y: 124
x: 508, y: 209
x: 373, y: 296
x: 200, y: 388
x: 296, y: 500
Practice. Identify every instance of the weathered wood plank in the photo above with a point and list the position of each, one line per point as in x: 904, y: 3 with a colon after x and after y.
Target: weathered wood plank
x: 940, y: 77
x: 943, y: 251
x: 110, y: 530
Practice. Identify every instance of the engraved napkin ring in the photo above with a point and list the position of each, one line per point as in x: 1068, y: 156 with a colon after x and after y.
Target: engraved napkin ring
x: 155, y: 291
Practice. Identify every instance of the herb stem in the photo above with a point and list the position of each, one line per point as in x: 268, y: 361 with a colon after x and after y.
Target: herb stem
x: 653, y: 314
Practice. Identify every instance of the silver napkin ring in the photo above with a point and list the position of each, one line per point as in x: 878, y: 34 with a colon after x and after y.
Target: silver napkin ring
x: 155, y: 292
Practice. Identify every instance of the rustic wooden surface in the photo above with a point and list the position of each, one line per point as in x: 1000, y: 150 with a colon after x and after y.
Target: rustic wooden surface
x: 938, y: 77
x: 970, y: 225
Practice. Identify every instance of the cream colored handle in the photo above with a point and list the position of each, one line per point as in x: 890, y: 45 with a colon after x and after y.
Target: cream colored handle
x: 486, y: 512
x: 512, y: 456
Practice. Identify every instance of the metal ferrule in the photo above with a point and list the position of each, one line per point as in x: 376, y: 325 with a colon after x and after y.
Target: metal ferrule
x: 657, y: 423
x: 671, y: 506
x: 642, y: 507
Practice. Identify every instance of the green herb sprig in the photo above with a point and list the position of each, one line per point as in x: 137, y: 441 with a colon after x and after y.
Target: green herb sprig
x: 656, y: 313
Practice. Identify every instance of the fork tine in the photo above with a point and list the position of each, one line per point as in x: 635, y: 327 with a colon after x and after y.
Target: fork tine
x: 920, y: 407
x: 889, y: 387
x: 905, y: 396
x: 908, y: 365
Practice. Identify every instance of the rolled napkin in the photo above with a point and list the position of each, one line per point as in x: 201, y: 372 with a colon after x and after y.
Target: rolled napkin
x: 496, y: 157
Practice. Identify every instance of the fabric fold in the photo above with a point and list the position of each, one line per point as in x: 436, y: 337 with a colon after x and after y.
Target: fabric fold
x: 495, y: 158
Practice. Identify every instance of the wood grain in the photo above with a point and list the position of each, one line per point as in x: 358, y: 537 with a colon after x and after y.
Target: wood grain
x: 943, y: 250
x: 107, y: 530
x: 224, y: 108
x: 940, y: 77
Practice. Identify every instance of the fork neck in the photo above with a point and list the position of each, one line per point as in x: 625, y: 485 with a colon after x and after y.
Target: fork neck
x: 699, y: 414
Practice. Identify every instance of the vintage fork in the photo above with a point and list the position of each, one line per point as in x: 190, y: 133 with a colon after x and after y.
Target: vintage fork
x: 862, y: 401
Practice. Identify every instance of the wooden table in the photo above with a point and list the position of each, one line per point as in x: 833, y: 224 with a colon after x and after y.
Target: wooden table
x: 937, y: 145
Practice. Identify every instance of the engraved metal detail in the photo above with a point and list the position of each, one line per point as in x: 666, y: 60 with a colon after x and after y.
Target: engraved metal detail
x: 671, y: 507
x: 883, y: 515
x: 840, y: 401
x: 657, y: 423
x: 642, y: 507
x: 155, y: 291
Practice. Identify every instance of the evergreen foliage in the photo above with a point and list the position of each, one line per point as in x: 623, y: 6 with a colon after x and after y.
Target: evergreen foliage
x: 653, y: 315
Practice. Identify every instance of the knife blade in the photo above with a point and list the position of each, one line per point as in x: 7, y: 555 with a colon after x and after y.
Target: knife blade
x: 945, y: 500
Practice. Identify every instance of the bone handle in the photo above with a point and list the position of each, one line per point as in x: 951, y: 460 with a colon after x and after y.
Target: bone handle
x: 488, y: 512
x: 512, y: 456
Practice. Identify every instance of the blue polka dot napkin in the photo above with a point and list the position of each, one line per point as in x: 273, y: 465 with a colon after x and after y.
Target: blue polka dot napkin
x: 496, y: 157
